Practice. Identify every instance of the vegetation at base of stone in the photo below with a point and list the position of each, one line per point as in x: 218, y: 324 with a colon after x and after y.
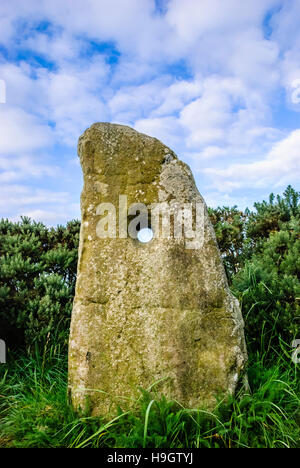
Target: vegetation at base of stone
x: 34, y: 411
x: 37, y: 279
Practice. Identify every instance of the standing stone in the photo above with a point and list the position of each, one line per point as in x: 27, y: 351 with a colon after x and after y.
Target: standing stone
x: 147, y: 312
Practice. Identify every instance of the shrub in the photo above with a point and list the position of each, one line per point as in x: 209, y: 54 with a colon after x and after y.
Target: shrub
x: 37, y: 280
x: 229, y: 225
x: 268, y: 287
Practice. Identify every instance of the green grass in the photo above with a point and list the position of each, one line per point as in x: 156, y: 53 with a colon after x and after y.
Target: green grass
x: 34, y: 411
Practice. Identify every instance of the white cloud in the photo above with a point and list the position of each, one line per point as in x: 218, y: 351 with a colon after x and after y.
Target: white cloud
x: 166, y: 129
x: 12, y: 196
x: 218, y: 118
x: 216, y: 36
x: 58, y: 47
x: 22, y: 91
x: 132, y: 101
x: 38, y: 204
x: 71, y: 98
x: 215, y: 198
x: 132, y: 25
x: 286, y: 33
x: 226, y: 113
x: 280, y: 167
x: 192, y: 19
x: 25, y: 167
x: 21, y: 131
x: 68, y: 98
x: 179, y: 93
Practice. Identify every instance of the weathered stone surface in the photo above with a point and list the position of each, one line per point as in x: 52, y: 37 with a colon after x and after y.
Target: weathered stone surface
x: 144, y: 312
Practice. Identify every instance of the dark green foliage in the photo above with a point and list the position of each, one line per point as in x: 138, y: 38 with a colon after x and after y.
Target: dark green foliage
x: 270, y: 216
x: 261, y: 253
x: 229, y: 225
x: 268, y: 286
x: 37, y: 279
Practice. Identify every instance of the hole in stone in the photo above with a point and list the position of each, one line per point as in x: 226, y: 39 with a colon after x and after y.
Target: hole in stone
x: 145, y: 235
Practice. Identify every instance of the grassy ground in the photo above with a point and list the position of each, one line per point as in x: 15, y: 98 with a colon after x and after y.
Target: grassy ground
x: 34, y: 411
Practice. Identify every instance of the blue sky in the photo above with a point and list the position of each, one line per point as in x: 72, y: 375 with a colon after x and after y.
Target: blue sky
x: 218, y: 81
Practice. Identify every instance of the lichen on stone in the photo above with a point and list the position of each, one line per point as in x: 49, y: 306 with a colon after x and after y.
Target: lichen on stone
x: 147, y: 312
